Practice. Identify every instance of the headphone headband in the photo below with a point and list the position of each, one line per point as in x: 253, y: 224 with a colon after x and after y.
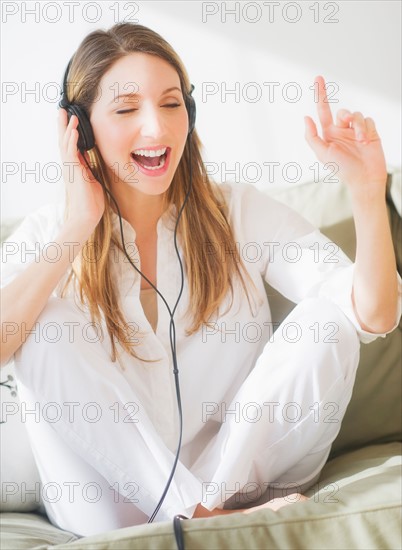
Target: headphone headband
x: 63, y: 101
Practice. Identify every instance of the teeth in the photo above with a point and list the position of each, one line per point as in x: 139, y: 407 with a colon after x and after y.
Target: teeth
x: 161, y: 165
x: 149, y: 153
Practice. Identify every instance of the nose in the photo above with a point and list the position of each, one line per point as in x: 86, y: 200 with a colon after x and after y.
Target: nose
x: 152, y: 123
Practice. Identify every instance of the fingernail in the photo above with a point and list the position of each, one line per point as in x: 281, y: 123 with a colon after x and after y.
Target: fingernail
x: 361, y: 136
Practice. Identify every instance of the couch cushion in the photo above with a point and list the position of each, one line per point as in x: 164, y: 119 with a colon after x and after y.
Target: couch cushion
x: 355, y: 504
x: 322, y: 203
x: 23, y: 530
x: 374, y: 412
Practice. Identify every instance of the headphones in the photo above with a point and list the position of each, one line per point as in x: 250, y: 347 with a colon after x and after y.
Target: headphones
x: 86, y: 139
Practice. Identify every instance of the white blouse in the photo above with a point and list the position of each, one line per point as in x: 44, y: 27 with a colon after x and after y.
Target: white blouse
x: 276, y: 245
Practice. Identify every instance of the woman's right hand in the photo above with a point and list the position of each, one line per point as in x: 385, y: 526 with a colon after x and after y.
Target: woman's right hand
x: 85, y: 193
x: 25, y: 297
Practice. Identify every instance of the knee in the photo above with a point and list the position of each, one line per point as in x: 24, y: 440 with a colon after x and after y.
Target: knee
x: 323, y: 333
x: 324, y: 321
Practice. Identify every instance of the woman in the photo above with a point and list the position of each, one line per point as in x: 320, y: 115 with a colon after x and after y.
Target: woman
x: 260, y: 410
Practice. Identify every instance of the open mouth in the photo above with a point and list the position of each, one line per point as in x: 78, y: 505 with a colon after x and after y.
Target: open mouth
x: 151, y: 159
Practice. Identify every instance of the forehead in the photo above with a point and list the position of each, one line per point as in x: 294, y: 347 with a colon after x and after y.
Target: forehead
x: 147, y: 72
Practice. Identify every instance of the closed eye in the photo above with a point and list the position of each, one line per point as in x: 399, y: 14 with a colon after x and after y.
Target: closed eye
x: 168, y: 105
x: 124, y: 111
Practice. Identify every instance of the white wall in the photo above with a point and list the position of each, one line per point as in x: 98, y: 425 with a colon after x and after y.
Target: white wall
x: 360, y: 53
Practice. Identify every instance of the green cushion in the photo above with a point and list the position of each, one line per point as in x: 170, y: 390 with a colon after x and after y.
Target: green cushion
x: 374, y: 412
x: 20, y: 531
x: 355, y: 504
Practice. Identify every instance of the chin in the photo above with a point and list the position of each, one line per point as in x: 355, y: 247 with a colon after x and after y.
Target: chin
x: 152, y: 188
x: 137, y: 182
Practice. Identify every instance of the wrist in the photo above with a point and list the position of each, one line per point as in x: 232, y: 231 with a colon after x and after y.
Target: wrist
x: 73, y: 232
x: 369, y: 196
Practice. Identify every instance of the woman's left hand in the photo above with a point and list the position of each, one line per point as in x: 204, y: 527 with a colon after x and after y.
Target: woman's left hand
x: 352, y: 143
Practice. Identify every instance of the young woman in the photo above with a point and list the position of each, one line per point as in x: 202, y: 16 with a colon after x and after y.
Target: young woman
x: 93, y: 344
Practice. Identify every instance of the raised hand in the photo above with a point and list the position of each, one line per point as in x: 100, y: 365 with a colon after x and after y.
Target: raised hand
x: 85, y: 194
x: 352, y: 143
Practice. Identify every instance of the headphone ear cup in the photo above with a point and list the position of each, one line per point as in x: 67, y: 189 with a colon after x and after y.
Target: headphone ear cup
x: 191, y: 110
x: 86, y: 139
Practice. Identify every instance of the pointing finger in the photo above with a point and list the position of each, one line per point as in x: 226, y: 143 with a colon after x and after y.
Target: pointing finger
x: 323, y: 108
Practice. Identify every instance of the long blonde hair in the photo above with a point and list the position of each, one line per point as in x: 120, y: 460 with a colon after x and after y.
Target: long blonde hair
x: 203, y: 223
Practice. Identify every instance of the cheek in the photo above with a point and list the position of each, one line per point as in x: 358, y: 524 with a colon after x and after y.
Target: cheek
x: 111, y: 139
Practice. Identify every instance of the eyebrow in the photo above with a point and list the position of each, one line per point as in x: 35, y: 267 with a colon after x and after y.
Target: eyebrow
x: 134, y: 94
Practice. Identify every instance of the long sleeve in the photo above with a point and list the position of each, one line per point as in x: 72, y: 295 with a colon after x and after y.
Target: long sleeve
x: 31, y: 240
x: 295, y: 258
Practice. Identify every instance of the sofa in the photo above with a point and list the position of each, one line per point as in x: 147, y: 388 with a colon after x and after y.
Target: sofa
x: 356, y: 503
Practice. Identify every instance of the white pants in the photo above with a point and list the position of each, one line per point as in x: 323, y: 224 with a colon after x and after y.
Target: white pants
x: 100, y: 474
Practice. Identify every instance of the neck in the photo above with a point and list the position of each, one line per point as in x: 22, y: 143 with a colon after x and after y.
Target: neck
x: 140, y: 210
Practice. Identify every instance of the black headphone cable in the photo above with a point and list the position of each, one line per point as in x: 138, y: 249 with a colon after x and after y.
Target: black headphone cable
x: 172, y: 328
